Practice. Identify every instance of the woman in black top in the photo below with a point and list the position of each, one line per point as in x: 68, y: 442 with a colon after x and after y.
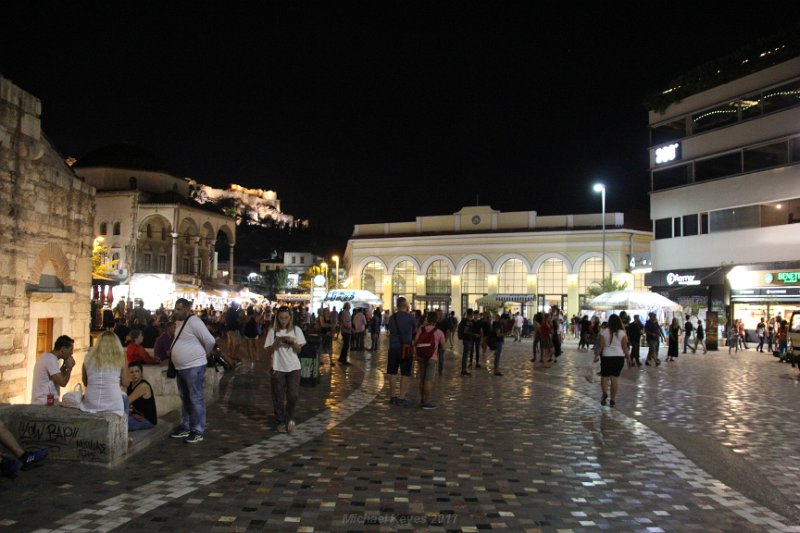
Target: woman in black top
x: 141, y: 400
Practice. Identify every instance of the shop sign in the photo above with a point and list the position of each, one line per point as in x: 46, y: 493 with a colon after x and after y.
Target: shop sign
x: 678, y: 279
x: 789, y: 278
x: 767, y: 292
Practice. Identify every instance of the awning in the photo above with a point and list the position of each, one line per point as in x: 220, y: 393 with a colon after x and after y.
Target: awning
x: 492, y: 299
x: 293, y: 297
x: 432, y: 298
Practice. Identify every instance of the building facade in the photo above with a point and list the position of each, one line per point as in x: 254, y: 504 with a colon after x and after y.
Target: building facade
x: 166, y: 244
x: 46, y: 216
x: 725, y: 193
x: 526, y: 261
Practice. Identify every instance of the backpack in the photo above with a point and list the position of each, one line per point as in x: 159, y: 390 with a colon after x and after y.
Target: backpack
x: 425, y: 343
x: 461, y: 326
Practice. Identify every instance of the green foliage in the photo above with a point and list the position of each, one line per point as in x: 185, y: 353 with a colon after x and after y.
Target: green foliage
x: 607, y: 285
x: 102, y: 269
x: 275, y: 280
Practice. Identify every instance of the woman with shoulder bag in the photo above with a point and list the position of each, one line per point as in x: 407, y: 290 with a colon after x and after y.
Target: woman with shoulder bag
x: 614, y: 353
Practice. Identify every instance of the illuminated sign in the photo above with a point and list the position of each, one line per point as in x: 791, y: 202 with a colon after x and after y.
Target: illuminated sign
x: 791, y: 278
x: 667, y: 153
x: 673, y: 278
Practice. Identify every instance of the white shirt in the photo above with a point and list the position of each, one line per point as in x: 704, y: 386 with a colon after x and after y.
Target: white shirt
x: 360, y: 322
x: 193, y: 345
x: 46, y: 366
x: 519, y: 321
x: 102, y: 392
x: 284, y: 358
x: 613, y: 347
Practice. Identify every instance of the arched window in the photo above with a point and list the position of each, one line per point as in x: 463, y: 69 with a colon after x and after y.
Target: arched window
x: 116, y: 228
x: 149, y: 231
x: 103, y: 228
x: 473, y: 278
x: 372, y: 278
x: 404, y: 279
x: 513, y: 278
x: 437, y: 279
x: 591, y: 271
x: 163, y: 234
x: 552, y: 277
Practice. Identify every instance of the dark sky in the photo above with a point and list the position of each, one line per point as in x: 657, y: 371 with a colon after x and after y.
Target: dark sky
x: 375, y: 111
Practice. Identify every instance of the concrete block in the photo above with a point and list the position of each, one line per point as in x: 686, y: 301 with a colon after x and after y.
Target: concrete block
x: 70, y: 434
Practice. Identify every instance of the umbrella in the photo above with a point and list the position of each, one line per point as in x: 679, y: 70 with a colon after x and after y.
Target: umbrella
x: 632, y: 300
x: 490, y: 300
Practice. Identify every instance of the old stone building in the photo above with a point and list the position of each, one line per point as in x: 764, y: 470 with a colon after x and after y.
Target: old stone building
x: 46, y: 219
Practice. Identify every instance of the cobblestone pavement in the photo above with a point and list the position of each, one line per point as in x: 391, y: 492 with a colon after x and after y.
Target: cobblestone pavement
x: 707, y: 443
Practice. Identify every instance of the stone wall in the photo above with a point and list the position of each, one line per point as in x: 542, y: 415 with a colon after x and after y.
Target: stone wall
x: 46, y: 221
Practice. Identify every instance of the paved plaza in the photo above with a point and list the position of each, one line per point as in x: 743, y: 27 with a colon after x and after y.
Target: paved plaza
x: 707, y: 443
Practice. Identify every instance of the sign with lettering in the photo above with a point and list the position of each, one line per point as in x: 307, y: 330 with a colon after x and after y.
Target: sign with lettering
x: 789, y: 278
x: 665, y: 154
x: 678, y: 279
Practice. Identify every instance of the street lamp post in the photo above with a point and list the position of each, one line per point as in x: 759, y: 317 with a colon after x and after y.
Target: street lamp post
x: 599, y: 187
x: 336, y: 260
x: 324, y: 266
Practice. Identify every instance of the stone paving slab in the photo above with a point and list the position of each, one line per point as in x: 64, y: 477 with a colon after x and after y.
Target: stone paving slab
x: 530, y: 451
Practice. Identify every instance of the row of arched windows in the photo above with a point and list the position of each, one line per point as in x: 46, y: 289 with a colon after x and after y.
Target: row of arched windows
x: 512, y: 277
x: 103, y: 230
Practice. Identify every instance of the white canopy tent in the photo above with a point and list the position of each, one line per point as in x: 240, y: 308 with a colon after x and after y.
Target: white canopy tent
x: 356, y: 298
x: 627, y: 300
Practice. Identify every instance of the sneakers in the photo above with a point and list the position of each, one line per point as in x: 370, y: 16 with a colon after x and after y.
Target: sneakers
x: 603, y: 399
x: 194, y: 438
x: 29, y: 459
x: 281, y: 428
x: 393, y: 400
x: 465, y: 373
x: 180, y: 433
x: 9, y: 467
x: 428, y: 406
x: 403, y: 403
x: 498, y: 373
x: 290, y: 427
x: 477, y: 365
x: 612, y: 403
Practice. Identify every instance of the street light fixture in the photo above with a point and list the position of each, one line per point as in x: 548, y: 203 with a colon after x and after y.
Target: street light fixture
x: 599, y: 187
x: 324, y: 266
x: 336, y: 260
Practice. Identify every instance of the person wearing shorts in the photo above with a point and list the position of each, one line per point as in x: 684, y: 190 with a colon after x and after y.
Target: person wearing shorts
x: 615, y: 352
x: 428, y: 366
x: 402, y: 326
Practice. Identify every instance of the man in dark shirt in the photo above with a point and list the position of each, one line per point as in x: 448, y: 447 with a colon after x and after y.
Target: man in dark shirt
x: 466, y: 334
x: 164, y: 342
x: 654, y: 336
x: 634, y: 332
x: 402, y: 326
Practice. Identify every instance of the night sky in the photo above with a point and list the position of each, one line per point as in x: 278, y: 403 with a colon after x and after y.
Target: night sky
x: 375, y: 111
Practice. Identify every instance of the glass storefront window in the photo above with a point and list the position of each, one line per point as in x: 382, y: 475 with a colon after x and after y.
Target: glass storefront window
x: 404, y: 280
x: 591, y: 271
x: 513, y: 278
x: 372, y: 278
x: 473, y: 278
x: 437, y: 278
x: 553, y: 277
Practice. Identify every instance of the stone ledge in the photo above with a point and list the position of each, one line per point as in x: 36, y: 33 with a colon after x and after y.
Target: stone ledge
x: 70, y: 434
x: 166, y: 390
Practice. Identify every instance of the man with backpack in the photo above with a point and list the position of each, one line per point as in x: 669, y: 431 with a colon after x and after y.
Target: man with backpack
x: 426, y: 347
x: 401, y: 334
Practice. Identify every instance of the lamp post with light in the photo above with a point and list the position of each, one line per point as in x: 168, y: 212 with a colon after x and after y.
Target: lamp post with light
x: 599, y: 187
x: 336, y: 260
x: 324, y: 266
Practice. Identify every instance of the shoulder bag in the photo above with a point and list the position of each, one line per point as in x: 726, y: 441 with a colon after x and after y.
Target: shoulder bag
x: 172, y: 372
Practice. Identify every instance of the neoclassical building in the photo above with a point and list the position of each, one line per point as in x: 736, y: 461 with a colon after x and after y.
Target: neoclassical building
x: 166, y: 243
x: 527, y: 261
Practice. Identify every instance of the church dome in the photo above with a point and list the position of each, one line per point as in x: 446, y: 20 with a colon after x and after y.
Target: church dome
x: 123, y: 155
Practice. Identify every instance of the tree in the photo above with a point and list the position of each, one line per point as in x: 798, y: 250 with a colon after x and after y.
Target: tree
x: 102, y: 269
x: 275, y: 280
x: 607, y: 285
x: 306, y: 279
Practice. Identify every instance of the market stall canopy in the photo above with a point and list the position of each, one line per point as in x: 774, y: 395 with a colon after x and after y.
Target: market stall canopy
x: 490, y: 300
x: 357, y: 298
x: 496, y: 300
x: 624, y: 300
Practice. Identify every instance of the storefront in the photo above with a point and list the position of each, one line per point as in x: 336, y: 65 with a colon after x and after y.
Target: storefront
x: 700, y: 289
x: 764, y: 291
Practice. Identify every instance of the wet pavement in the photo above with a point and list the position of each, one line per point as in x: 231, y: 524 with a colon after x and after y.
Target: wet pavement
x: 706, y: 443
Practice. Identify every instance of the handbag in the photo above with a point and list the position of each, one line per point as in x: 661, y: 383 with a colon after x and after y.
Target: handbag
x: 172, y: 373
x: 74, y: 398
x: 589, y: 373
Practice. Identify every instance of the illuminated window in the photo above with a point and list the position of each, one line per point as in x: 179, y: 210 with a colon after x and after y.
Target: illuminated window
x: 371, y: 278
x: 103, y: 228
x: 591, y: 271
x: 473, y: 278
x: 404, y: 279
x: 513, y: 278
x: 552, y: 277
x: 437, y: 279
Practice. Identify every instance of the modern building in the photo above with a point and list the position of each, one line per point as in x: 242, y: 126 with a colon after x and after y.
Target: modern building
x: 525, y: 261
x: 166, y: 244
x: 726, y: 187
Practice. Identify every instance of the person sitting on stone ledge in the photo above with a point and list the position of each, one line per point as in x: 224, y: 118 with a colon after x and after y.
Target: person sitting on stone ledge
x: 142, y: 412
x: 48, y: 377
x: 136, y: 352
x: 104, y: 371
x: 22, y: 459
x: 164, y: 342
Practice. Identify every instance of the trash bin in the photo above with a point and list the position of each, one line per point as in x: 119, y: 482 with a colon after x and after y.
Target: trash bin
x: 309, y: 361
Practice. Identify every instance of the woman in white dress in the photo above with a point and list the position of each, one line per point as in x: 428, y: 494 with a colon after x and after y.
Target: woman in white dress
x: 104, y: 372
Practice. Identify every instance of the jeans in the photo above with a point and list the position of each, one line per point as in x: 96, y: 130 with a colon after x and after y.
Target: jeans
x: 376, y: 336
x: 497, y: 352
x: 469, y: 344
x: 193, y: 405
